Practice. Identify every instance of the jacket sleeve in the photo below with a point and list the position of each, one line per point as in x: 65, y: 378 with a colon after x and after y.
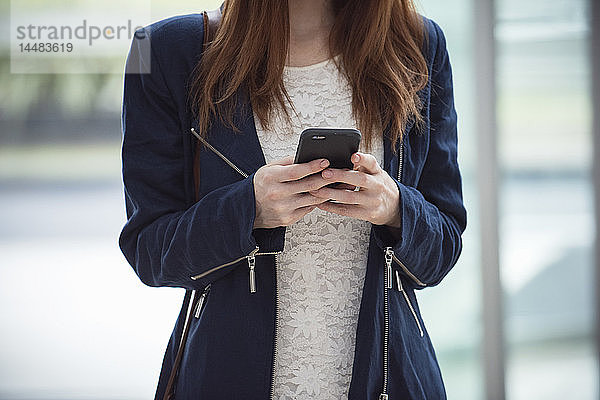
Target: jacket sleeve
x: 433, y: 216
x: 165, y: 238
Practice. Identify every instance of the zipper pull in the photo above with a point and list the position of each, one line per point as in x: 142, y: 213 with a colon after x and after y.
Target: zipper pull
x: 201, y: 302
x: 383, y: 396
x: 251, y: 264
x: 388, y: 264
x: 410, y: 306
x: 399, y: 282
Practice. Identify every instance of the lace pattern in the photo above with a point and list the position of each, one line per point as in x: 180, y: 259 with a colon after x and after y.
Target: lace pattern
x: 321, y: 270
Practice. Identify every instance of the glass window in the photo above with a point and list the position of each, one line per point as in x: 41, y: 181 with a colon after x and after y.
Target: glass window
x: 546, y: 215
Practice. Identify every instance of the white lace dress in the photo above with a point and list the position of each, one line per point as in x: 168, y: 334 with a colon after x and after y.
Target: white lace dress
x: 321, y: 270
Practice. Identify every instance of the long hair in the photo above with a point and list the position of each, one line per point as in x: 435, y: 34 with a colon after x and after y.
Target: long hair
x: 380, y: 47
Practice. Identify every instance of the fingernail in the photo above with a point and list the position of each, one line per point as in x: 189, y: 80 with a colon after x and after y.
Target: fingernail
x: 327, y: 173
x: 355, y: 157
x: 324, y: 163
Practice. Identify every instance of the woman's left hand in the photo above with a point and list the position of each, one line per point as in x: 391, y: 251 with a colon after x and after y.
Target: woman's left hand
x: 377, y: 200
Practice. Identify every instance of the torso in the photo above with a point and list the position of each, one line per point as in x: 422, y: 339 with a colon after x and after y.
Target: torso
x: 321, y: 271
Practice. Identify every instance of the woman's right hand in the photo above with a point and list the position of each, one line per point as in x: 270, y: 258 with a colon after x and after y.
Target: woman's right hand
x: 281, y: 191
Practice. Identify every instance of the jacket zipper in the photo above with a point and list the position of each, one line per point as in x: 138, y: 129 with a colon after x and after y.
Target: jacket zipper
x: 201, y: 300
x: 400, y: 159
x: 276, y: 329
x: 250, y: 257
x: 387, y: 285
x: 252, y: 264
x: 407, y: 272
x: 218, y: 267
x: 400, y: 164
x: 217, y: 152
x: 252, y: 278
x: 412, y: 310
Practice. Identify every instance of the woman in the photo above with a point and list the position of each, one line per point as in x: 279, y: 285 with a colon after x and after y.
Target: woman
x: 301, y: 297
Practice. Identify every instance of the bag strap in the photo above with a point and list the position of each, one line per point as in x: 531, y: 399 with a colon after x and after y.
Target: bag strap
x: 212, y: 19
x: 211, y: 23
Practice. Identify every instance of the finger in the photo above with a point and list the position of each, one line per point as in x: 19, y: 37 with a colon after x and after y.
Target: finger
x: 365, y: 160
x: 298, y: 171
x: 306, y: 184
x: 306, y: 199
x: 287, y: 160
x: 351, y: 177
x: 341, y: 195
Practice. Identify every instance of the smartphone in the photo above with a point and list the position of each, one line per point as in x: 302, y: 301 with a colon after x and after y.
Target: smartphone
x: 335, y: 144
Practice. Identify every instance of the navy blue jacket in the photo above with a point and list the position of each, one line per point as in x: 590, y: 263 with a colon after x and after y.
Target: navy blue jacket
x: 207, y: 245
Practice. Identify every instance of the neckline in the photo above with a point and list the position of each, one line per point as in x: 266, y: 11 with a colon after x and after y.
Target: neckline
x: 310, y: 66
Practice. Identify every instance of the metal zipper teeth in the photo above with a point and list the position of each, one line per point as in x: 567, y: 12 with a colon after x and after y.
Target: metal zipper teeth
x: 387, y: 284
x: 410, y: 274
x: 218, y: 267
x: 400, y: 164
x: 250, y: 257
x: 386, y: 333
x: 412, y: 310
x: 276, y: 328
x: 245, y: 175
x: 386, y: 320
x: 400, y: 159
x: 217, y: 152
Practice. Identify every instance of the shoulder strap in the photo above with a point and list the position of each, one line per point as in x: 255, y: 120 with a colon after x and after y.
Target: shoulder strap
x: 212, y: 19
x: 211, y: 23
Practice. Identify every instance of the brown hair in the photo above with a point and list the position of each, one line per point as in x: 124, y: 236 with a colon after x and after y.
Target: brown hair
x: 379, y: 42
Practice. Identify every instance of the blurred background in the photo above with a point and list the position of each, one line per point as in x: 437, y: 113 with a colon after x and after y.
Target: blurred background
x: 78, y: 324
